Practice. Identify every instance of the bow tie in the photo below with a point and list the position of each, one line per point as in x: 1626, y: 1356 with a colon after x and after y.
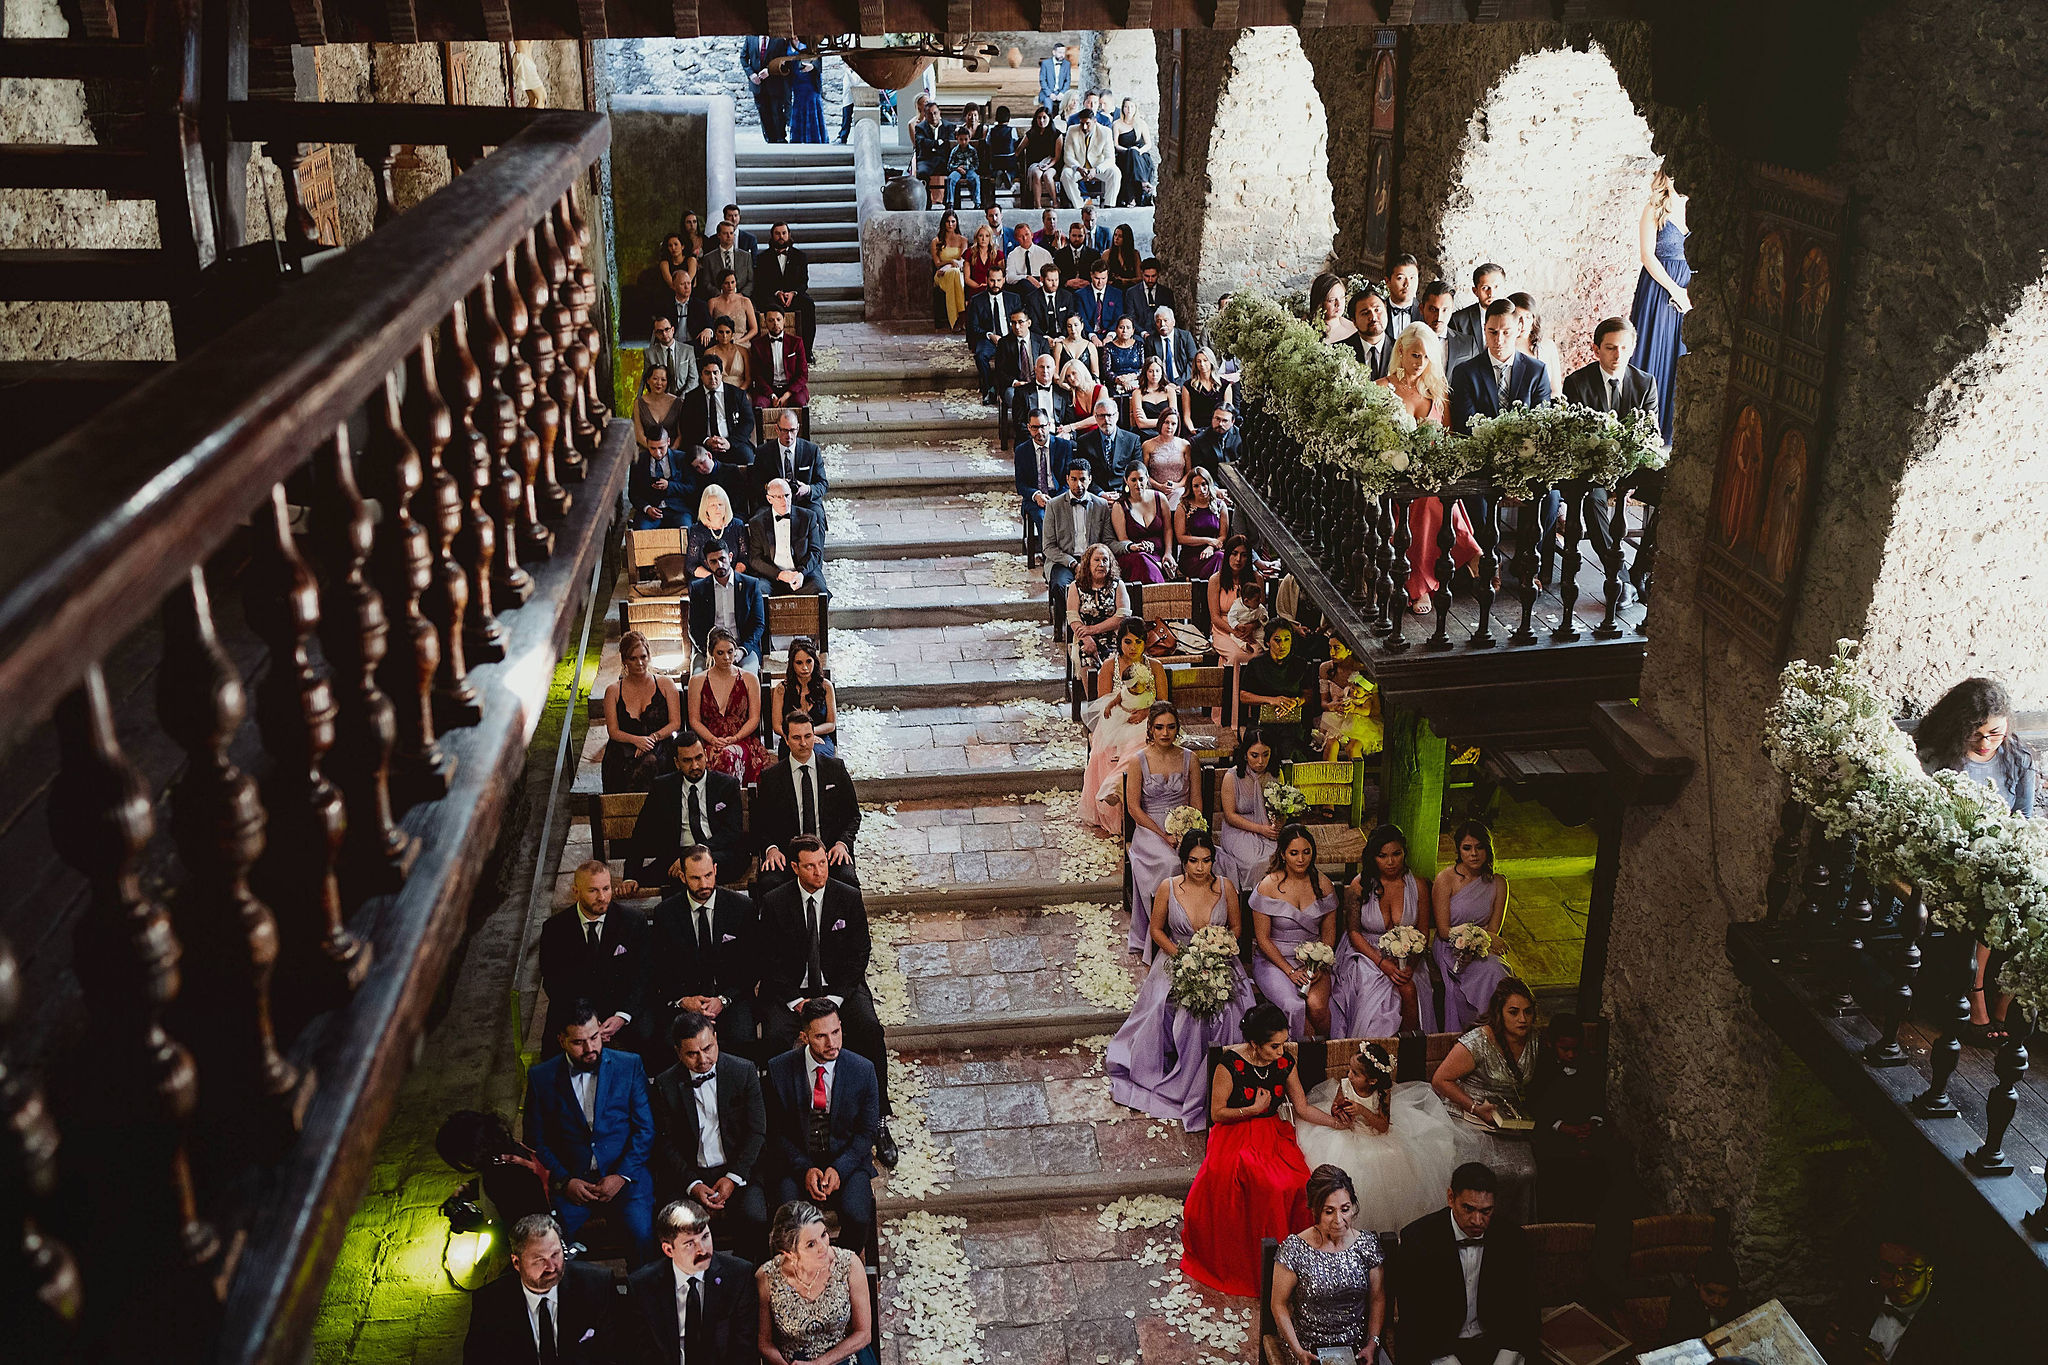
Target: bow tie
x: 1463, y: 1242
x: 585, y: 1068
x: 699, y: 1082
x: 782, y: 516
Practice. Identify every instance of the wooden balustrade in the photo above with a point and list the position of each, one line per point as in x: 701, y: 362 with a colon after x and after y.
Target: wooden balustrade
x: 249, y: 981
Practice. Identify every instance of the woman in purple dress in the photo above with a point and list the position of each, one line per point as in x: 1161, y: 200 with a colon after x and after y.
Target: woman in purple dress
x: 1373, y: 995
x: 1469, y: 891
x: 1294, y: 904
x: 1159, y: 1059
x: 1245, y: 829
x: 1661, y: 302
x: 1200, y: 526
x: 1158, y: 777
x: 1144, y: 519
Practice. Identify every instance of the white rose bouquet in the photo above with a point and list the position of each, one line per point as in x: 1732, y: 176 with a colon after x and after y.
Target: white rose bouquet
x: 1182, y: 821
x: 1285, y: 802
x: 1314, y: 957
x: 1402, y: 942
x: 1469, y: 942
x: 1205, y: 972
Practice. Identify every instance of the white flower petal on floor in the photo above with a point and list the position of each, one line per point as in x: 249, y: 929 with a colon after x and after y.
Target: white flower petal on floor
x: 932, y: 1301
x: 1086, y: 853
x: 844, y: 516
x: 1010, y: 575
x: 1102, y: 968
x: 922, y: 1168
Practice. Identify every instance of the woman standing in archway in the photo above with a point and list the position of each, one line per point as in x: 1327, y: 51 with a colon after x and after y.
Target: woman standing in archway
x: 1661, y: 301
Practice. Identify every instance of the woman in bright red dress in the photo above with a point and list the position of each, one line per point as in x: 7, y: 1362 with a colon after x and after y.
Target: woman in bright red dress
x: 1253, y: 1183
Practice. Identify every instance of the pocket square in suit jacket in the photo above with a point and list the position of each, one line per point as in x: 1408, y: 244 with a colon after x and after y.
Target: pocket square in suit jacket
x: 588, y: 1333
x: 838, y: 924
x: 618, y: 950
x: 726, y: 938
x: 719, y: 807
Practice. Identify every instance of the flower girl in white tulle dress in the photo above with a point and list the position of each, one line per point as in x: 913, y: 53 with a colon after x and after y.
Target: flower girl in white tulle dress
x: 1398, y: 1150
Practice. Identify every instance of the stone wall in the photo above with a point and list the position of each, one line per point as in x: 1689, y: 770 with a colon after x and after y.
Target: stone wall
x: 1252, y: 204
x: 1127, y: 63
x: 700, y: 66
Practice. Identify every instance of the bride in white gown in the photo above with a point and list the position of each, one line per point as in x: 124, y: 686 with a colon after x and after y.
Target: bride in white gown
x: 1399, y: 1148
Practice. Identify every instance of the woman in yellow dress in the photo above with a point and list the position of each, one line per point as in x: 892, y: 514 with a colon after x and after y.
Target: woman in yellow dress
x: 1350, y: 725
x: 948, y: 247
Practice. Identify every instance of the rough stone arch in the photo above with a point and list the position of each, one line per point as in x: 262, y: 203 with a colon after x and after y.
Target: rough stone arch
x: 1552, y: 178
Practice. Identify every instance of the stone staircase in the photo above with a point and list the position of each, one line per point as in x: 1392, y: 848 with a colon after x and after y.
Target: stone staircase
x: 810, y: 187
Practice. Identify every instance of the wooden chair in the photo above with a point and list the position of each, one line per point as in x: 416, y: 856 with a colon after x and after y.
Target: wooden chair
x: 1561, y: 1262
x: 1668, y: 1244
x: 801, y: 614
x: 1170, y: 602
x: 768, y: 417
x: 1201, y: 688
x: 663, y: 619
x: 612, y: 817
x: 1272, y: 1350
x: 644, y: 547
x: 1339, y: 784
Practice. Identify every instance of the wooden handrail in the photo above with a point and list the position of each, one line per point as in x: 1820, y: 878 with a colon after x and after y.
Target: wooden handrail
x: 107, y: 520
x: 434, y: 125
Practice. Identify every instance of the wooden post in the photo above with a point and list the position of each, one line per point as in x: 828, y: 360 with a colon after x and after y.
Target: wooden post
x: 1600, y: 908
x: 1416, y: 759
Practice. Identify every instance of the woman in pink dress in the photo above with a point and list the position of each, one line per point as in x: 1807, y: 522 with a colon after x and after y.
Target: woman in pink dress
x: 1418, y: 381
x: 730, y: 725
x: 1236, y: 586
x: 1125, y: 689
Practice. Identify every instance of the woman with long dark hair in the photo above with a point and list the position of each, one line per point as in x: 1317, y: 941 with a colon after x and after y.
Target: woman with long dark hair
x: 805, y: 690
x: 949, y: 249
x: 1294, y: 904
x: 1237, y: 604
x: 1469, y: 891
x: 1157, y: 780
x: 1377, y: 995
x: 1246, y: 830
x: 1041, y: 149
x: 1486, y: 1077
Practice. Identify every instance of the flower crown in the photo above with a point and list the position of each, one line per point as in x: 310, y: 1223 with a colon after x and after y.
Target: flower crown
x: 1374, y: 1059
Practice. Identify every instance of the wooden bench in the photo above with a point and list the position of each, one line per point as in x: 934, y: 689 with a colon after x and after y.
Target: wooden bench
x: 1202, y: 688
x: 1338, y: 784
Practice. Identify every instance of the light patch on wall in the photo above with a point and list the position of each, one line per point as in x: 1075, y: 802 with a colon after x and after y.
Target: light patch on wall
x: 1554, y: 175
x: 1269, y: 219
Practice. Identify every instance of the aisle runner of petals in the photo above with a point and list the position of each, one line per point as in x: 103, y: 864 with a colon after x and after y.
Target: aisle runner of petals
x: 1050, y: 724
x: 922, y: 1168
x: 1181, y: 1304
x: 1101, y: 970
x: 884, y: 868
x: 1086, y: 853
x: 1034, y: 643
x: 853, y: 658
x: 843, y: 516
x: 1011, y: 575
x: 886, y: 982
x: 998, y: 510
x: 930, y: 1287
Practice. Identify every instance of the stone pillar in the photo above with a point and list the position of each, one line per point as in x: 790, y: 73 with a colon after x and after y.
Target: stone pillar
x: 1415, y: 762
x: 1250, y: 204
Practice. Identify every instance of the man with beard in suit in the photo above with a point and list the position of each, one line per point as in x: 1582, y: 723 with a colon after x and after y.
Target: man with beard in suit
x: 590, y: 953
x: 782, y: 283
x: 546, y: 1308
x: 1435, y: 314
x: 588, y: 1119
x: 1489, y: 282
x: 1611, y: 384
x: 808, y: 793
x: 1370, y: 343
x: 696, y: 1304
x: 703, y: 957
x: 825, y: 1122
x: 988, y: 318
x: 692, y: 807
x: 709, y: 1127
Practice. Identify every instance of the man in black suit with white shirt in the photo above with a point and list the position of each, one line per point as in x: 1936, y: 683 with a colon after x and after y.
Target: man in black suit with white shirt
x: 718, y: 433
x: 785, y: 551
x: 546, y: 1308
x: 1461, y: 1276
x: 1173, y: 345
x: 1048, y: 305
x: 703, y: 957
x: 1611, y: 384
x: 1489, y: 282
x: 798, y: 463
x: 1435, y: 313
x: 696, y: 1304
x: 692, y: 806
x: 708, y: 1129
x: 1371, y: 344
x: 593, y: 953
x: 807, y: 793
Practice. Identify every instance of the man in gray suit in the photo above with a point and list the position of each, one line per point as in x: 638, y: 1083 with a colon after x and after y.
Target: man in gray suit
x: 726, y: 255
x: 1074, y: 520
x: 1611, y: 384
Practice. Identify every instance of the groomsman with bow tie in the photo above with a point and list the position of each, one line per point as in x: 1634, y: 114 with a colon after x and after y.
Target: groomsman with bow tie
x: 784, y: 547
x: 710, y: 1125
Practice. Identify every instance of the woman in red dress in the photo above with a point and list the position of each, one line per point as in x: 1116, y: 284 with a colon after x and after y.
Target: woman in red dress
x: 1253, y: 1183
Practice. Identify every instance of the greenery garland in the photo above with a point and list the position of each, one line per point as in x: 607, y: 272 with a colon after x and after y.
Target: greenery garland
x: 1982, y: 870
x: 1323, y: 398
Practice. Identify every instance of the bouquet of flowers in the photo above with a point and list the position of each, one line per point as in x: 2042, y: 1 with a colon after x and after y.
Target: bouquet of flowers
x: 1402, y: 942
x: 1285, y: 802
x: 1469, y: 942
x: 1314, y: 957
x: 1526, y: 450
x: 1205, y: 973
x: 1184, y: 820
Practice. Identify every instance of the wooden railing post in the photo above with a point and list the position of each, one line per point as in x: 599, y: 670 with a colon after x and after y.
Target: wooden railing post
x: 468, y: 460
x: 1365, y: 574
x: 1947, y: 1050
x: 1395, y: 579
x: 1527, y: 531
x: 1784, y: 858
x: 1486, y: 530
x: 1899, y: 1000
x: 497, y: 416
x: 34, y: 1263
x: 1850, y: 895
x: 1573, y: 523
x: 1440, y: 599
x: 519, y: 281
x: 2004, y: 1101
x: 1612, y: 577
x: 438, y: 507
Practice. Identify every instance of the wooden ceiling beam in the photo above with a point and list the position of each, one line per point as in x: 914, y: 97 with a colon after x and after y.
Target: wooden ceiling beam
x: 98, y: 19
x: 590, y: 14
x: 781, y: 18
x: 497, y: 20
x: 309, y: 21
x: 1313, y: 13
x: 960, y: 18
x: 689, y: 20
x: 871, y: 20
x: 403, y: 21
x: 1225, y: 15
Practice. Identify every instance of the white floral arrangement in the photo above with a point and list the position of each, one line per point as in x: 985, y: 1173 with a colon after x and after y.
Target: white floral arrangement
x: 1471, y: 939
x: 1402, y: 942
x: 1316, y: 958
x: 1285, y: 801
x: 1981, y: 869
x: 1205, y: 972
x: 1182, y: 821
x: 1526, y: 450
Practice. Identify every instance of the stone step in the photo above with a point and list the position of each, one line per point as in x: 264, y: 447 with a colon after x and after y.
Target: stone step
x: 915, y: 662
x: 842, y: 294
x: 901, y: 525
x: 962, y: 462
x: 769, y: 154
x: 964, y: 590
x: 762, y: 175
x: 812, y: 236
x: 952, y: 692
x: 971, y: 479
x: 838, y: 420
x: 980, y: 978
x: 949, y: 369
x: 842, y: 312
x: 965, y: 752
x: 952, y: 852
x: 766, y: 200
x: 796, y: 214
x: 834, y: 253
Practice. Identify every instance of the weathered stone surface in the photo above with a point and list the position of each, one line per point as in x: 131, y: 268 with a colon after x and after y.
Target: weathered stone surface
x: 700, y: 66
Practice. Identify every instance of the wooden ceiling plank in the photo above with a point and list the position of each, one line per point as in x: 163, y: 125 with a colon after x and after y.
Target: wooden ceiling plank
x: 497, y: 20
x: 689, y: 21
x: 592, y: 17
x: 871, y: 19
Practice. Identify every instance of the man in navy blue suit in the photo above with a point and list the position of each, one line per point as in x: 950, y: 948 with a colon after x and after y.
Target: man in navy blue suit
x: 824, y: 1108
x: 1099, y: 305
x: 589, y: 1120
x: 728, y: 599
x: 1042, y: 462
x: 1497, y: 377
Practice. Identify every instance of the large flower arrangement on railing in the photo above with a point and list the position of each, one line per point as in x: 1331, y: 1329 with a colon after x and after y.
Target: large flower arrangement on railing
x: 1981, y: 869
x: 1322, y: 398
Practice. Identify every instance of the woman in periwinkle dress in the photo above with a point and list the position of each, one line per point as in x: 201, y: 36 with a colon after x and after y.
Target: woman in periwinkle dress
x: 1661, y: 301
x: 1469, y: 891
x: 1372, y: 996
x: 1159, y: 777
x: 806, y: 93
x: 1245, y: 829
x: 1294, y: 904
x: 1159, y: 1059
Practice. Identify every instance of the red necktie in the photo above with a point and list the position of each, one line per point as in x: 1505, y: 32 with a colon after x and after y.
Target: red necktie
x: 819, y: 1099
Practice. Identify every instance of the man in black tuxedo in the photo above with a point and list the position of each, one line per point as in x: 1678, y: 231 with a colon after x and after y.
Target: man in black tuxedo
x: 1611, y: 384
x: 1049, y: 305
x: 1109, y: 450
x: 1042, y: 460
x: 703, y: 957
x: 1435, y: 314
x: 688, y: 808
x: 807, y: 793
x: 709, y: 1125
x: 1219, y: 442
x: 988, y: 319
x: 732, y: 602
x: 546, y: 1308
x: 797, y: 462
x: 824, y: 1122
x: 1174, y: 346
x: 1075, y: 259
x: 1461, y: 1276
x: 785, y: 552
x: 1040, y: 393
x: 593, y: 953
x: 718, y: 433
x: 1370, y: 343
x: 782, y: 282
x: 696, y: 1305
x: 1148, y: 296
x: 1403, y: 277
x: 771, y: 92
x: 1489, y: 282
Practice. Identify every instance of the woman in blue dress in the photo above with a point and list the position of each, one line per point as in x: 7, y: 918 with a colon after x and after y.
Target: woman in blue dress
x: 1661, y: 301
x: 806, y: 93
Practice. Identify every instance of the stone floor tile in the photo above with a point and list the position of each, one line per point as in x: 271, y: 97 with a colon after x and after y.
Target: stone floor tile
x: 1067, y: 1149
x: 993, y: 1155
x: 997, y: 1242
x: 1020, y: 1105
x: 1039, y: 1293
x: 1014, y: 954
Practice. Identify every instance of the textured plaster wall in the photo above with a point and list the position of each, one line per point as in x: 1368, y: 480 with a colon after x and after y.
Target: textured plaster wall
x: 701, y: 66
x: 1252, y: 205
x: 1127, y: 62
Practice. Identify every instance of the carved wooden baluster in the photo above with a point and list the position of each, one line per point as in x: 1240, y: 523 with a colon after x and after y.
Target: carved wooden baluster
x: 468, y: 461
x: 1486, y: 530
x: 1947, y: 1051
x: 382, y: 160
x: 1899, y: 1000
x: 297, y: 712
x: 543, y: 496
x: 1397, y: 574
x: 1526, y: 534
x: 1784, y: 858
x: 1365, y: 575
x: 438, y: 507
x: 543, y: 414
x: 496, y: 415
x: 1851, y: 897
x: 571, y: 384
x: 126, y: 956
x: 574, y: 235
x: 1646, y: 562
x: 1440, y: 599
x: 301, y: 230
x: 402, y: 565
x: 218, y: 824
x: 2010, y: 1065
x: 1574, y: 525
x: 1612, y: 576
x: 1392, y: 604
x: 1817, y: 894
x: 39, y: 1263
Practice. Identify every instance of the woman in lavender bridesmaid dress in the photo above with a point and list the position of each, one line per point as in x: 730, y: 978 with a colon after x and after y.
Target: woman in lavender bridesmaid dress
x: 1469, y: 891
x: 1294, y: 904
x: 1245, y: 829
x: 1372, y: 997
x: 1159, y: 777
x: 1159, y: 1060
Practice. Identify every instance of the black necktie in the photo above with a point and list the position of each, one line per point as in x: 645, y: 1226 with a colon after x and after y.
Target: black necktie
x: 694, y: 1344
x: 593, y: 938
x: 816, y: 981
x: 696, y: 817
x: 547, y: 1335
x: 1613, y: 395
x: 705, y: 941
x: 809, y: 811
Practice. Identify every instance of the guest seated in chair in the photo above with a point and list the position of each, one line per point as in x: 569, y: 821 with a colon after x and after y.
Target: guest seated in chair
x: 1074, y: 520
x: 780, y: 365
x: 798, y: 463
x: 782, y: 282
x: 728, y: 600
x: 689, y: 807
x: 642, y: 713
x: 714, y: 525
x: 1041, y: 460
x: 824, y: 1107
x: 725, y: 711
x: 545, y: 1308
x: 988, y: 319
x: 1280, y: 679
x: 807, y: 793
x: 813, y: 1295
x: 592, y: 957
x: 786, y: 548
x: 1462, y: 1282
x: 703, y: 957
x: 718, y: 431
x: 1574, y: 1147
x: 805, y: 690
x: 1329, y: 1279
x: 660, y: 497
x: 588, y: 1119
x: 695, y: 1303
x: 710, y: 1124
x: 1486, y: 1076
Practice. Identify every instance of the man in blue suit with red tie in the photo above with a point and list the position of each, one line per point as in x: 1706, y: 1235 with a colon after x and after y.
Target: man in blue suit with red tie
x: 824, y: 1109
x: 590, y: 1123
x: 1496, y: 378
x: 1099, y: 305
